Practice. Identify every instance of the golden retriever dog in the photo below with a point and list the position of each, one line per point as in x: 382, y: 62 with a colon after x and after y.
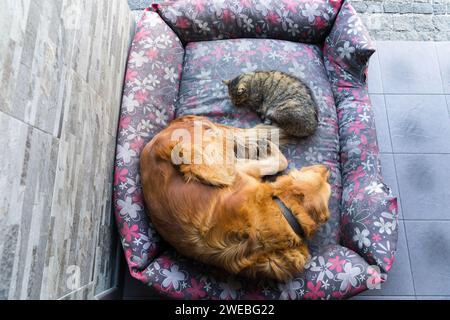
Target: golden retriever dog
x: 216, y: 208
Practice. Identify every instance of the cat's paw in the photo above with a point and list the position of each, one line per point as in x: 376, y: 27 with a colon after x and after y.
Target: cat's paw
x: 267, y: 121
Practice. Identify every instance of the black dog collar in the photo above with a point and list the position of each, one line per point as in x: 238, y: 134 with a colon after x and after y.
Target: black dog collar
x: 291, y: 219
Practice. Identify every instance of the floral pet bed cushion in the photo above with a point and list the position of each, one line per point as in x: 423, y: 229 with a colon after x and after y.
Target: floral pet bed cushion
x: 180, y: 54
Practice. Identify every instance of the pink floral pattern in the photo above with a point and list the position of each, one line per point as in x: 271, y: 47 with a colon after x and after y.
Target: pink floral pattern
x: 355, y: 249
x: 150, y: 91
x: 369, y: 211
x: 294, y: 20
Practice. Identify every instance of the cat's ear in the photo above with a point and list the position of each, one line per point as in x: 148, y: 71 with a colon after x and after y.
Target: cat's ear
x: 226, y: 82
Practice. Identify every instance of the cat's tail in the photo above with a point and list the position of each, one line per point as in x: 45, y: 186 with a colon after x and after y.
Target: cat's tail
x: 276, y: 134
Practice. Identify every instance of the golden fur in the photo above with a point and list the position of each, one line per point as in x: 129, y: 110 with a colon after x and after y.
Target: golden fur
x: 224, y: 214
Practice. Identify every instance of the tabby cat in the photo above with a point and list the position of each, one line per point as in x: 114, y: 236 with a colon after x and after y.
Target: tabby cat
x: 277, y: 98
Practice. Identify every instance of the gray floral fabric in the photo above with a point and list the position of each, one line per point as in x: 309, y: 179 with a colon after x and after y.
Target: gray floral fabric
x: 165, y: 79
x: 148, y: 105
x: 294, y: 20
x: 202, y: 93
x: 369, y: 215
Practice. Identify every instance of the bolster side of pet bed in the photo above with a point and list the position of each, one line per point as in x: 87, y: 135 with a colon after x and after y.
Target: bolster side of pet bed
x: 151, y: 88
x: 150, y: 91
x: 335, y: 273
x: 296, y: 20
x: 369, y: 210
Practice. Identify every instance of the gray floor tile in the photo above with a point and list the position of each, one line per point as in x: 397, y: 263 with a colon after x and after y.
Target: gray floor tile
x: 443, y: 52
x: 361, y: 297
x: 140, y: 4
x: 390, y: 177
x: 399, y: 281
x: 381, y: 123
x: 424, y: 185
x: 418, y: 123
x: 448, y: 105
x: 433, y: 297
x: 409, y: 67
x: 429, y: 246
x: 374, y: 75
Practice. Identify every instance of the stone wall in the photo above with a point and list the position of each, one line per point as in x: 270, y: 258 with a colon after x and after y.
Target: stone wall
x: 406, y: 19
x: 61, y: 72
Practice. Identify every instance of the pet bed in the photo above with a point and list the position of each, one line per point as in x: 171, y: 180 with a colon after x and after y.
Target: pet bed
x: 181, y: 52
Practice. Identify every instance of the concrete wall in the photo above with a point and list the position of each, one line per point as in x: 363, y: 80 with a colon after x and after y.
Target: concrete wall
x: 61, y: 72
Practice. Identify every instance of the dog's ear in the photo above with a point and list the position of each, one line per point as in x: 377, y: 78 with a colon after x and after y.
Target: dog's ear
x: 309, y: 189
x: 226, y: 82
x: 316, y: 207
x: 197, y: 163
x: 206, y: 167
x: 323, y: 171
x: 320, y: 169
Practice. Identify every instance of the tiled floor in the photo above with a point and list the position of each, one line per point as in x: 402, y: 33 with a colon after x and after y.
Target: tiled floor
x: 409, y: 83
